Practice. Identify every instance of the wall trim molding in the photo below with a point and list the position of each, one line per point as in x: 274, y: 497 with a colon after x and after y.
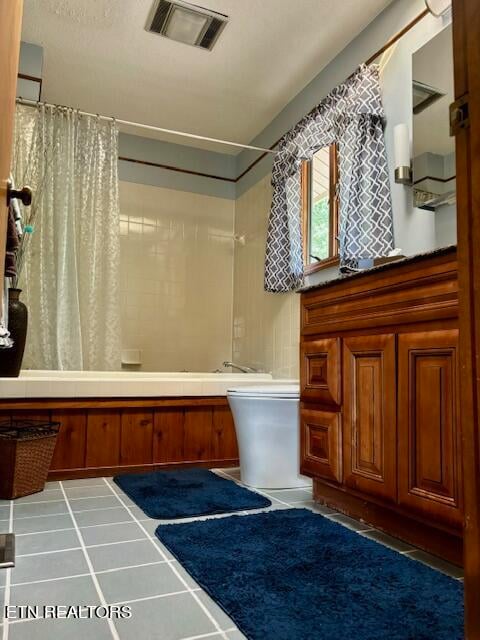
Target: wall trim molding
x: 169, y: 167
x: 39, y: 81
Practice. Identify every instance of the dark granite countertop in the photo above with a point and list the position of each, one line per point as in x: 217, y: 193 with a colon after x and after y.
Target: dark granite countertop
x: 381, y: 267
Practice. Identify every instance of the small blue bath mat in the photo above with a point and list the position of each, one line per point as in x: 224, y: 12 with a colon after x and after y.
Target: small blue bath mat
x: 294, y: 575
x: 168, y: 495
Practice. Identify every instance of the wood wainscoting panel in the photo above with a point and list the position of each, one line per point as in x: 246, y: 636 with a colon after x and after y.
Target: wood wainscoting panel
x: 321, y: 444
x: 429, y: 447
x: 168, y: 435
x: 103, y: 438
x: 198, y: 434
x: 136, y: 437
x: 320, y: 371
x: 71, y: 440
x: 369, y: 421
x: 224, y: 440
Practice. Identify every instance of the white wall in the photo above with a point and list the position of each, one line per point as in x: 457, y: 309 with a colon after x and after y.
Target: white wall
x: 446, y: 226
x: 266, y: 326
x: 176, y: 277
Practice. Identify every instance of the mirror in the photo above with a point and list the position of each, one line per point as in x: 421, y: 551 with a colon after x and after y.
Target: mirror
x: 433, y: 148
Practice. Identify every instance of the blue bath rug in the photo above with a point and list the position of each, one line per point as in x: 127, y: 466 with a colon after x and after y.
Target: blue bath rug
x: 168, y: 495
x: 294, y: 575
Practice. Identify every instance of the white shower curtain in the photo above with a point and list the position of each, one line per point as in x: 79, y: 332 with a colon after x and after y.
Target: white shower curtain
x: 70, y: 276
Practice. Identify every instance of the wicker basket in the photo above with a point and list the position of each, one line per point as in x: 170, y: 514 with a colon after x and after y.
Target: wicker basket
x: 26, y: 450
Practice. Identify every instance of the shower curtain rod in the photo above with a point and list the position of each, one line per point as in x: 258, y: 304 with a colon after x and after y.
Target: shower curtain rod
x: 139, y: 125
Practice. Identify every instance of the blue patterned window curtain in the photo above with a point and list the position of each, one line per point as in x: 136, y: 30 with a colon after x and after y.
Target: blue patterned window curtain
x: 352, y: 116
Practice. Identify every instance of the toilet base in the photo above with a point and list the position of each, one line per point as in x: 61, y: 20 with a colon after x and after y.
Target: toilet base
x: 268, y: 436
x: 302, y: 482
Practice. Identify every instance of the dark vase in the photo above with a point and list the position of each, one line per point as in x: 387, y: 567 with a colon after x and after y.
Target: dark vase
x: 11, y: 359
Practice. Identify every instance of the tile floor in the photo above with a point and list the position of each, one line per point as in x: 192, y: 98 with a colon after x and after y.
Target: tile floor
x: 84, y: 542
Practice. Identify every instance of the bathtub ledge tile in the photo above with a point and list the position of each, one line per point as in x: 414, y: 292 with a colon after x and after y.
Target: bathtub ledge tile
x: 13, y: 388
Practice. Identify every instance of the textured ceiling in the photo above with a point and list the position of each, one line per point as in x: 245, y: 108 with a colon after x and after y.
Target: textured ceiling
x: 98, y: 57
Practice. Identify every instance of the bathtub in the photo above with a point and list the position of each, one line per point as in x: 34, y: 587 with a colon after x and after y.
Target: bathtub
x: 118, y: 384
x: 118, y: 422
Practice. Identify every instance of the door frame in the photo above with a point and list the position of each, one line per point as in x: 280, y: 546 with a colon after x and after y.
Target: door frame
x: 466, y: 33
x: 10, y: 36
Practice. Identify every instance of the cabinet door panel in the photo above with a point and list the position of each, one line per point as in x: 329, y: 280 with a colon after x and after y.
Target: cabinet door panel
x: 370, y: 415
x: 321, y: 444
x: 320, y: 371
x: 429, y: 438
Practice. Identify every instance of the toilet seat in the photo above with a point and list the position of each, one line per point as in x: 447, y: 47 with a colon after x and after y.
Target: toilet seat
x: 266, y: 391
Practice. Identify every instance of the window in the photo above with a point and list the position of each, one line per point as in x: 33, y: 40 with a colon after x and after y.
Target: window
x: 320, y: 210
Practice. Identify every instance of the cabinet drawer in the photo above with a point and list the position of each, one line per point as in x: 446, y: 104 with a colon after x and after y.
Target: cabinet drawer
x: 429, y: 458
x: 321, y: 444
x: 320, y: 371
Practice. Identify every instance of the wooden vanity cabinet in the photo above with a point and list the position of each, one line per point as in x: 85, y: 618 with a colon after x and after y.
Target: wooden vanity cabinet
x: 379, y: 377
x: 321, y: 444
x: 369, y: 415
x: 429, y: 448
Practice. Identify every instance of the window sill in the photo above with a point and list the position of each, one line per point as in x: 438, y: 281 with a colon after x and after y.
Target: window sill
x: 333, y: 261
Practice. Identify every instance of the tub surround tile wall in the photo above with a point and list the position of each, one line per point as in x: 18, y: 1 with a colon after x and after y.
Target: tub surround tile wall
x: 176, y: 277
x: 266, y: 326
x: 181, y: 274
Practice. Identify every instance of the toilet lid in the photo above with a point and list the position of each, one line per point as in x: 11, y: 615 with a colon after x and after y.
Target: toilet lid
x: 267, y: 391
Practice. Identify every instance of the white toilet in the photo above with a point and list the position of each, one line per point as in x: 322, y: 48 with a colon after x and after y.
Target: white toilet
x: 267, y: 425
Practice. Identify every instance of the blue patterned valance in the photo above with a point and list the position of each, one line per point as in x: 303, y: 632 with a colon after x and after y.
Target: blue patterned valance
x: 352, y: 116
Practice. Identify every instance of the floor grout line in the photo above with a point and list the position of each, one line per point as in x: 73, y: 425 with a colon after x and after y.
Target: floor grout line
x: 75, y: 575
x: 45, y: 553
x: 43, y: 515
x: 156, y: 597
x: 23, y: 504
x: 133, y: 566
x: 38, y: 533
x: 90, y: 566
x: 108, y: 544
x: 82, y: 575
x: 105, y: 524
x: 85, y: 526
x: 65, y: 513
x: 88, y: 546
x: 174, y: 569
x: 212, y: 634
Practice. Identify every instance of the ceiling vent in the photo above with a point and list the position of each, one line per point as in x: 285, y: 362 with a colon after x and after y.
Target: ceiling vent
x: 186, y: 23
x: 424, y: 96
